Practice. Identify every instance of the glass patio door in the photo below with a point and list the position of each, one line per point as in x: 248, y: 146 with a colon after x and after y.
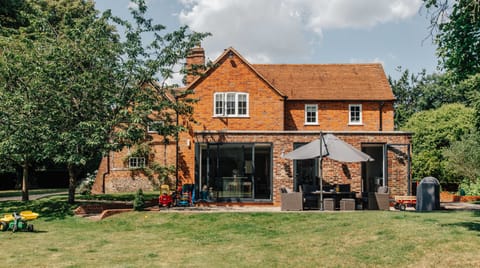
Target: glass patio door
x: 235, y: 171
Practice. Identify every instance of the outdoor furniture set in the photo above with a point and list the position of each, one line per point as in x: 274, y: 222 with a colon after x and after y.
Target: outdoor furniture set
x: 308, y: 198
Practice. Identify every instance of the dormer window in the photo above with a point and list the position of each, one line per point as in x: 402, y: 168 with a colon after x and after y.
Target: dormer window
x: 311, y: 114
x: 355, y: 114
x: 230, y: 104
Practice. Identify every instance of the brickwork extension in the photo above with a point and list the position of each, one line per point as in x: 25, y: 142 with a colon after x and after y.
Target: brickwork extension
x: 333, y: 172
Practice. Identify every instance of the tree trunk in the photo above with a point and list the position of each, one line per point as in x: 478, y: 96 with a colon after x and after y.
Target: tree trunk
x: 25, y: 181
x: 72, y: 181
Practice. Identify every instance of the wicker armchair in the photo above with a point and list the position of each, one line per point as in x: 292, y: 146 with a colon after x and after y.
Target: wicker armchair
x: 379, y: 200
x: 291, y: 201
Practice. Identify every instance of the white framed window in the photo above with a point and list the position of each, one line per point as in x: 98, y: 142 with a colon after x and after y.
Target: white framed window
x: 136, y: 162
x: 230, y: 104
x: 355, y: 114
x: 311, y: 114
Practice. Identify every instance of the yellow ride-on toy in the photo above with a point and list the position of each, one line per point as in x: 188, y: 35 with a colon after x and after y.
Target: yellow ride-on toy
x: 18, y: 221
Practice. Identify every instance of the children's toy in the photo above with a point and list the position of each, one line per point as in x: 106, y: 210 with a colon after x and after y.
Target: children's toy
x: 402, y: 201
x: 18, y: 221
x: 185, y: 195
x: 165, y: 199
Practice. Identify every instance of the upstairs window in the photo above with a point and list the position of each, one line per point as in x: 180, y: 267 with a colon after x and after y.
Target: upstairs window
x: 230, y: 104
x: 355, y: 114
x: 311, y: 114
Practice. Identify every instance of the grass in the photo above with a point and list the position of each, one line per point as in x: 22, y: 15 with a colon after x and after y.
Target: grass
x: 13, y: 193
x: 191, y: 239
x: 111, y: 197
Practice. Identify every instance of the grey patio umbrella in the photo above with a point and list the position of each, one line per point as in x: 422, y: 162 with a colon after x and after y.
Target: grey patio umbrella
x: 332, y: 147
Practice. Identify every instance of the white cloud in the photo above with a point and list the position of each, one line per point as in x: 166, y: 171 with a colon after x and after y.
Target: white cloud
x: 132, y: 5
x: 325, y: 14
x: 374, y: 60
x: 266, y: 30
x: 175, y: 80
x: 258, y: 29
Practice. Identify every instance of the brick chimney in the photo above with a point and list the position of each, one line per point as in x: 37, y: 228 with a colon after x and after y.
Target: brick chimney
x: 195, y: 63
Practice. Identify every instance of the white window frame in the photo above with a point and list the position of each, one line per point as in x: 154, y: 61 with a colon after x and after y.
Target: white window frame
x: 351, y: 119
x: 136, y: 162
x: 225, y: 100
x: 311, y: 106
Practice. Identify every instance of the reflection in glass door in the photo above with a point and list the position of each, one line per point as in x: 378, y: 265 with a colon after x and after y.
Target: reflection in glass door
x: 234, y: 171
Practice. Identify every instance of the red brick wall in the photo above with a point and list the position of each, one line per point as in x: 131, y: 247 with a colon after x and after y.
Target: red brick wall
x: 268, y: 111
x: 266, y: 108
x: 196, y: 58
x: 115, y: 176
x: 232, y: 75
x: 333, y: 172
x: 333, y: 116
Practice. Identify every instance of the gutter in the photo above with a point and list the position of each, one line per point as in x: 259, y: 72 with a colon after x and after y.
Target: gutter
x: 106, y: 173
x: 380, y: 111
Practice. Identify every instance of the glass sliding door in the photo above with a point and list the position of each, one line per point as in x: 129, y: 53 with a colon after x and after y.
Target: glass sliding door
x: 234, y: 171
x: 306, y: 171
x: 263, y: 171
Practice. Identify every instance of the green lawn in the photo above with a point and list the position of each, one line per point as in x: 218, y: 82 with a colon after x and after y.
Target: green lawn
x: 192, y: 239
x: 11, y: 193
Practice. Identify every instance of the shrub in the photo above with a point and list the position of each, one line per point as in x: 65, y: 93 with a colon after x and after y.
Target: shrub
x: 139, y: 201
x: 85, y: 185
x: 469, y: 188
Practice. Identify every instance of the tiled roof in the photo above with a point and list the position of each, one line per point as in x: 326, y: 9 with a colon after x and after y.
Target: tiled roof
x: 328, y: 81
x: 225, y: 54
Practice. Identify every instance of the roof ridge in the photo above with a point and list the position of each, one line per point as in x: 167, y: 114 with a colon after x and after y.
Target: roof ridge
x: 315, y: 64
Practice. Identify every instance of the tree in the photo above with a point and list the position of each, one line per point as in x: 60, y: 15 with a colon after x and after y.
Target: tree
x: 471, y: 89
x: 434, y: 131
x: 463, y: 156
x: 93, y: 84
x: 24, y: 125
x: 420, y: 92
x: 11, y: 17
x: 107, y: 89
x: 85, y: 51
x: 455, y: 26
x: 33, y: 79
x: 458, y: 35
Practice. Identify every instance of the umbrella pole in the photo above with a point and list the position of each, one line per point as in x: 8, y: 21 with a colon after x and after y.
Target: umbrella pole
x: 320, y: 175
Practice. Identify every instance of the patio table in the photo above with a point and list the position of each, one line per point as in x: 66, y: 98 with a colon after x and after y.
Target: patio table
x: 337, y: 196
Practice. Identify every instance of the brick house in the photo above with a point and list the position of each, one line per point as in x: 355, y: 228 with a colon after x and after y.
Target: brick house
x: 249, y: 115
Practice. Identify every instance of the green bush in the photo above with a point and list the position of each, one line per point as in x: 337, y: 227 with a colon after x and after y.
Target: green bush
x: 469, y: 188
x: 85, y: 186
x: 139, y: 201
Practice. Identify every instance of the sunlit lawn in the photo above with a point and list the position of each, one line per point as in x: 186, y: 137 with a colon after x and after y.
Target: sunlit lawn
x: 275, y: 239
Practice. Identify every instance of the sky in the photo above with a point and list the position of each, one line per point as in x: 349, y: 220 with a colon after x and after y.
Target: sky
x: 391, y: 32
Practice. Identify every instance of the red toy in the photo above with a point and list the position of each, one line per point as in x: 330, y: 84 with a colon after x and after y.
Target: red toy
x: 165, y: 199
x: 401, y: 202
